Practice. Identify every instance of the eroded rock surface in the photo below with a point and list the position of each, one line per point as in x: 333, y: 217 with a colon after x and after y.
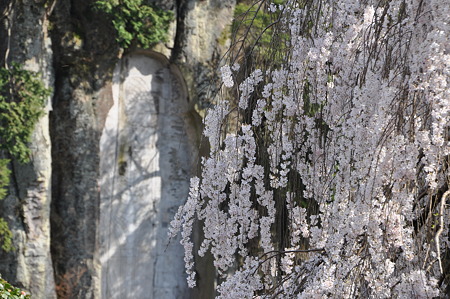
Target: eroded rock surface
x: 27, y: 207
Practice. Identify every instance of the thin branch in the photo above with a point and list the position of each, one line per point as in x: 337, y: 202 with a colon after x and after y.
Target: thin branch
x: 441, y: 228
x: 278, y: 252
x: 9, y: 19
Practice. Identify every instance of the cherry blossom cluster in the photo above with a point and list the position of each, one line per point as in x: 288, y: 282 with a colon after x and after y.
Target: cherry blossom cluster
x: 336, y: 184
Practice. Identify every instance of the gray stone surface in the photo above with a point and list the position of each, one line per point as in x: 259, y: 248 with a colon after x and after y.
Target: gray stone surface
x: 145, y: 165
x: 85, y: 53
x: 203, y: 29
x: 27, y: 208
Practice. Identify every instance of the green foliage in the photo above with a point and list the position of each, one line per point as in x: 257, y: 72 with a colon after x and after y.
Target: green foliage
x: 254, y: 24
x: 246, y: 15
x: 259, y: 40
x: 7, y: 291
x: 4, y: 177
x: 135, y: 21
x: 5, y: 236
x: 22, y: 98
x: 5, y: 232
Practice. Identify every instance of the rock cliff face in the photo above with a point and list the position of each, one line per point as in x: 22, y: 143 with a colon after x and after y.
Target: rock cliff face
x: 113, y: 154
x: 25, y: 39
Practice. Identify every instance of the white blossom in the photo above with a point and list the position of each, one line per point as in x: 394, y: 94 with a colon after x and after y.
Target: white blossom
x: 227, y: 76
x: 329, y: 179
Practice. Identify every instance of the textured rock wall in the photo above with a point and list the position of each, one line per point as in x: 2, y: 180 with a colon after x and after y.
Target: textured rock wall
x: 201, y: 41
x: 27, y: 208
x: 85, y: 54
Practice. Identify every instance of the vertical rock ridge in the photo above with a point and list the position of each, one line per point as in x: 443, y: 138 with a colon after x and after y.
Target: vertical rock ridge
x: 85, y: 54
x: 27, y: 207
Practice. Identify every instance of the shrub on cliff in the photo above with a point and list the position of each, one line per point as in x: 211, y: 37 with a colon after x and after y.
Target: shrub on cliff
x: 7, y: 291
x: 22, y: 98
x: 136, y: 21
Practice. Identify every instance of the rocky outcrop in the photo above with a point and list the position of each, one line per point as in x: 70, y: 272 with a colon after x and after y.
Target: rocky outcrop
x: 27, y: 207
x: 85, y: 54
x: 203, y: 28
x: 67, y: 183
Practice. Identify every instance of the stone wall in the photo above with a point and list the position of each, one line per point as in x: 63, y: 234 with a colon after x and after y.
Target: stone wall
x: 145, y: 165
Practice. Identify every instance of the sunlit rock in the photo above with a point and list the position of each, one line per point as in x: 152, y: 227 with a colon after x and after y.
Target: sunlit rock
x: 145, y: 168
